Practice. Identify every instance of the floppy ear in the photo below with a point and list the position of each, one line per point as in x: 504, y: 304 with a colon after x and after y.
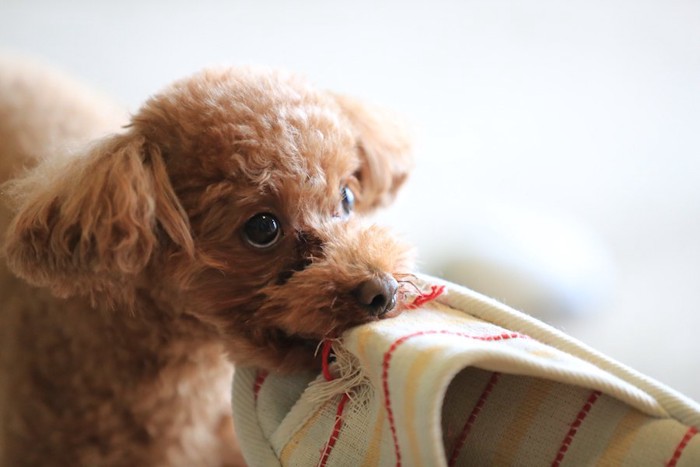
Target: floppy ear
x: 95, y: 225
x: 385, y: 152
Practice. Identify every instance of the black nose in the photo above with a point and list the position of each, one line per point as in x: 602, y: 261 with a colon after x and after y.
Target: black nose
x: 378, y: 294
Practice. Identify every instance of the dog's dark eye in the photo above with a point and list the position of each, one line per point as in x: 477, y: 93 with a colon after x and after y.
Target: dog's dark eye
x: 262, y: 230
x: 348, y: 200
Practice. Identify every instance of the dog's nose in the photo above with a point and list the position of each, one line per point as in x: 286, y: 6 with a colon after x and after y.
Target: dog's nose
x: 378, y: 294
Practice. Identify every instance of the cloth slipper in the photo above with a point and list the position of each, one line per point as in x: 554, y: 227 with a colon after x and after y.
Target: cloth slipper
x: 461, y: 379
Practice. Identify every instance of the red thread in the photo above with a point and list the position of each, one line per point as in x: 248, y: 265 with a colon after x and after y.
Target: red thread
x: 259, y: 380
x: 325, y: 364
x: 435, y: 292
x: 461, y: 441
x: 336, y: 431
x: 692, y: 431
x: 387, y: 360
x: 573, y: 428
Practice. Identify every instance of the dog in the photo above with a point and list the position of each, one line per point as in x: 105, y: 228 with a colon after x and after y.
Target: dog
x: 223, y: 224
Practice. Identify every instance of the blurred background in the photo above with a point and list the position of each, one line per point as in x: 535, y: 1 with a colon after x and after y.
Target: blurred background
x: 557, y: 143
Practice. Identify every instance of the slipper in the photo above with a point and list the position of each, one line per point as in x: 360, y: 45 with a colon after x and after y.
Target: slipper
x: 462, y: 379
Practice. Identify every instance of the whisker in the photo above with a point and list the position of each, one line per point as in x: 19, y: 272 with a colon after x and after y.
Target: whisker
x: 404, y: 282
x: 318, y: 346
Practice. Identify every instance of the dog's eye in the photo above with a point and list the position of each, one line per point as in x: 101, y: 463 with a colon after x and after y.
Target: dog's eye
x: 348, y: 200
x: 262, y: 230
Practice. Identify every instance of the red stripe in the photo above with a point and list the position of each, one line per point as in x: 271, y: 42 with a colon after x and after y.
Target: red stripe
x: 692, y: 431
x: 573, y: 428
x: 259, y: 380
x: 336, y: 431
x: 435, y: 292
x: 472, y: 418
x: 325, y: 356
x: 387, y: 360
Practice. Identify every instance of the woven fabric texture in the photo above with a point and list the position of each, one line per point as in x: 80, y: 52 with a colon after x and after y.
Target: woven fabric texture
x: 463, y: 380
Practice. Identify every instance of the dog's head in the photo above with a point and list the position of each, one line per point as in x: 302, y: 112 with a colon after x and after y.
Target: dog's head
x: 234, y: 197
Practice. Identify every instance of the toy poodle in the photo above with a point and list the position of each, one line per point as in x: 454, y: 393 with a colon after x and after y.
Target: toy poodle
x: 221, y: 224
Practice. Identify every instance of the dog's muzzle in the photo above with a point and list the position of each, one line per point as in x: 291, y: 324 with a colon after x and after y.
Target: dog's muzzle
x: 378, y: 294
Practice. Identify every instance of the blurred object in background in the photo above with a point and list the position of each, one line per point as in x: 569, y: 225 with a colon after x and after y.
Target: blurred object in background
x: 544, y: 264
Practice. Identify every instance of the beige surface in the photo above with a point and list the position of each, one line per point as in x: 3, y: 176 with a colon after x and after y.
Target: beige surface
x: 586, y: 108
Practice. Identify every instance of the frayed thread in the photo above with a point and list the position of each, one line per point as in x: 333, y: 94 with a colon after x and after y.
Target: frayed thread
x: 344, y: 375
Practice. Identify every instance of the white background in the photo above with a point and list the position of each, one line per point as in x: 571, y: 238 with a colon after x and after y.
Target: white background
x: 581, y: 111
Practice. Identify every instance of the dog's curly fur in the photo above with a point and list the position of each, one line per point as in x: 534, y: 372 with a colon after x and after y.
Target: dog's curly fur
x: 141, y: 239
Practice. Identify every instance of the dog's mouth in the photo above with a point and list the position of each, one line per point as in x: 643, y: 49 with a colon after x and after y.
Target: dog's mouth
x: 302, y: 341
x: 309, y: 342
x: 301, y: 350
x: 284, y: 351
x: 332, y: 328
x: 284, y: 338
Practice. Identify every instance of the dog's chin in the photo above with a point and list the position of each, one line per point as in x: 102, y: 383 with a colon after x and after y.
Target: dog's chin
x: 302, y: 352
x: 278, y: 351
x: 284, y: 339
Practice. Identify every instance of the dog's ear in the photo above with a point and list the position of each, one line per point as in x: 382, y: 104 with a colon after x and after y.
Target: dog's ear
x: 96, y: 223
x: 385, y: 152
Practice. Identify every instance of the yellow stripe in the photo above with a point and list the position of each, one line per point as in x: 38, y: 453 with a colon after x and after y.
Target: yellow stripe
x: 410, y: 402
x: 364, y: 336
x: 655, y: 439
x: 374, y: 451
x: 298, y: 438
x: 512, y: 437
x: 622, y: 439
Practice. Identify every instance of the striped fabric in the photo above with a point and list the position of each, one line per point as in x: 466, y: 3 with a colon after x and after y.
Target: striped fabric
x: 463, y: 380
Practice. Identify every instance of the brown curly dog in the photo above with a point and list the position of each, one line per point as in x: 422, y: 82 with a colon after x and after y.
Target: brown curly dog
x: 222, y: 224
